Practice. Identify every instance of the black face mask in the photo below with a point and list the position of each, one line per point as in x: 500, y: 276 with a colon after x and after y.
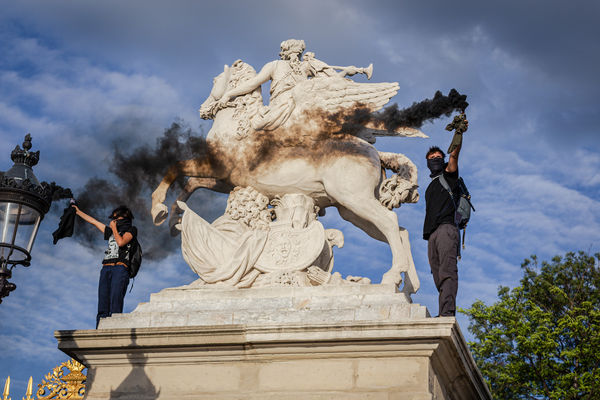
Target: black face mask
x: 123, y: 224
x: 435, y: 165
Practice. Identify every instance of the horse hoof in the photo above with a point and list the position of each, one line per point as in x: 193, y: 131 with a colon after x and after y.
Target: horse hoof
x: 391, y: 278
x: 175, y: 225
x: 159, y: 213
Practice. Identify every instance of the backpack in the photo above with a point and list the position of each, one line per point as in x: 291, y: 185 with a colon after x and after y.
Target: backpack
x: 135, y: 257
x: 463, y: 206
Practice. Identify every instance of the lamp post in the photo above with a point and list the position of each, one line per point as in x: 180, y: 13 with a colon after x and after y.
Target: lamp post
x: 23, y: 204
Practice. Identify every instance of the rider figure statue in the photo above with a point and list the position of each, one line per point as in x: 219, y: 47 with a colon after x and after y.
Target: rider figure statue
x: 284, y: 74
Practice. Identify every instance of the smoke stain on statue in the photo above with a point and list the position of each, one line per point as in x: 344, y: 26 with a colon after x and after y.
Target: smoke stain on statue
x: 334, y: 130
x: 317, y: 139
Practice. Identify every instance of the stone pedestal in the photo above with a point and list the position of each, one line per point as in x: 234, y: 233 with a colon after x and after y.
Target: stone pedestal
x: 345, y: 342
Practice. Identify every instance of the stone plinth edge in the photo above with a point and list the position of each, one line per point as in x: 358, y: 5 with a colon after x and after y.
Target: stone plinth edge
x: 415, y: 359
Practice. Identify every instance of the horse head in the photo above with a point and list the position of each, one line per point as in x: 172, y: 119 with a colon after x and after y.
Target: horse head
x: 208, y: 108
x: 228, y: 79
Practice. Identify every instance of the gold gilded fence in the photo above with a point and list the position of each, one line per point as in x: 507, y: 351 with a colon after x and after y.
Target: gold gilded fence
x: 65, y: 382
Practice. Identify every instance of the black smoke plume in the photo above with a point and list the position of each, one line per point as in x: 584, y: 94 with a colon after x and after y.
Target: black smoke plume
x: 58, y: 192
x: 133, y: 175
x: 391, y: 118
x: 419, y: 113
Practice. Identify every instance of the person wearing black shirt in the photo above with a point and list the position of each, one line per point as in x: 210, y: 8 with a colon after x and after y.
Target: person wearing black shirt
x: 114, y: 275
x: 440, y: 229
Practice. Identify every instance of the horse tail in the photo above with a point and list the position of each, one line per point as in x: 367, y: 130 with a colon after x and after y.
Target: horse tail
x: 400, y: 187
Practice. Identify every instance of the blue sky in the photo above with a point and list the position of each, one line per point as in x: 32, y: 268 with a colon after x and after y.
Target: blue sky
x: 81, y: 76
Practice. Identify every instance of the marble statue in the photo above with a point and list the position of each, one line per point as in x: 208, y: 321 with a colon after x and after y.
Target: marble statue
x: 286, y: 163
x: 254, y: 245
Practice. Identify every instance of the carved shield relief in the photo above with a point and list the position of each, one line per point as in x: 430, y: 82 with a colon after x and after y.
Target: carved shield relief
x: 291, y: 249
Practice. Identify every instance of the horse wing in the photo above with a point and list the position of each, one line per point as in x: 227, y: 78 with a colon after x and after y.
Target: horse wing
x: 333, y: 94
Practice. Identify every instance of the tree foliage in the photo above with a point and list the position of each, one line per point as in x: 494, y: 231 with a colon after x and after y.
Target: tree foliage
x: 542, y: 338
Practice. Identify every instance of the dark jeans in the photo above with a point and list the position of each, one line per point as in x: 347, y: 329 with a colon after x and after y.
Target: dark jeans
x: 111, y: 290
x: 443, y: 250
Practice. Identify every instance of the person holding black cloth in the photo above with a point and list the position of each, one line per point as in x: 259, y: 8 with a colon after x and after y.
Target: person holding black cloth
x: 440, y: 228
x: 114, y: 275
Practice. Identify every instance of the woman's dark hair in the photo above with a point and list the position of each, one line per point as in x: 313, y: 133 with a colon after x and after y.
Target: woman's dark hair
x: 121, y: 211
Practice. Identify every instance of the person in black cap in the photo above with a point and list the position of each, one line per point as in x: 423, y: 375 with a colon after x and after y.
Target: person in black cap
x: 114, y: 275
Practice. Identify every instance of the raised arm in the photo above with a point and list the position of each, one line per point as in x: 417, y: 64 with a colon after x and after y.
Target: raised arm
x: 460, y: 124
x: 90, y: 219
x: 264, y: 75
x: 453, y: 159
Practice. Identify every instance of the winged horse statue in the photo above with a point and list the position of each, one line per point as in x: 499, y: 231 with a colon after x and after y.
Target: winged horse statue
x: 296, y: 145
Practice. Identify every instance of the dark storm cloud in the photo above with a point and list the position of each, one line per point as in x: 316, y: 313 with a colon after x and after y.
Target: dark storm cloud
x: 550, y: 48
x: 551, y: 44
x: 556, y: 36
x: 136, y: 34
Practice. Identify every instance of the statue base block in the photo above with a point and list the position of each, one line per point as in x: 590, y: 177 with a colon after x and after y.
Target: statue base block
x: 344, y: 342
x: 209, y: 305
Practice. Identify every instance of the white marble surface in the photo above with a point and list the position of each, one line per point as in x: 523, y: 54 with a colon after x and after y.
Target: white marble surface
x: 209, y: 305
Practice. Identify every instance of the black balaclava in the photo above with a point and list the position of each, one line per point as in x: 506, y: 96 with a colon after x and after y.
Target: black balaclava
x: 436, y: 166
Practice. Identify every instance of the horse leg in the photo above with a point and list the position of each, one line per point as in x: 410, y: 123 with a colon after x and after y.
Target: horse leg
x: 366, y: 226
x: 159, y: 210
x: 412, y: 283
x: 194, y: 167
x: 190, y: 187
x: 371, y: 214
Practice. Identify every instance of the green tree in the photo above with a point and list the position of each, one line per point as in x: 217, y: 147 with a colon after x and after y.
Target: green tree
x: 542, y: 338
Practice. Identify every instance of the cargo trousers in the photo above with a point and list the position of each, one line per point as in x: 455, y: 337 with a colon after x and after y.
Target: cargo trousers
x: 443, y: 249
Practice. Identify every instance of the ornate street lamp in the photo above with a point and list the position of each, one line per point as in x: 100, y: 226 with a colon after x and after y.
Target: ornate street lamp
x: 23, y: 204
